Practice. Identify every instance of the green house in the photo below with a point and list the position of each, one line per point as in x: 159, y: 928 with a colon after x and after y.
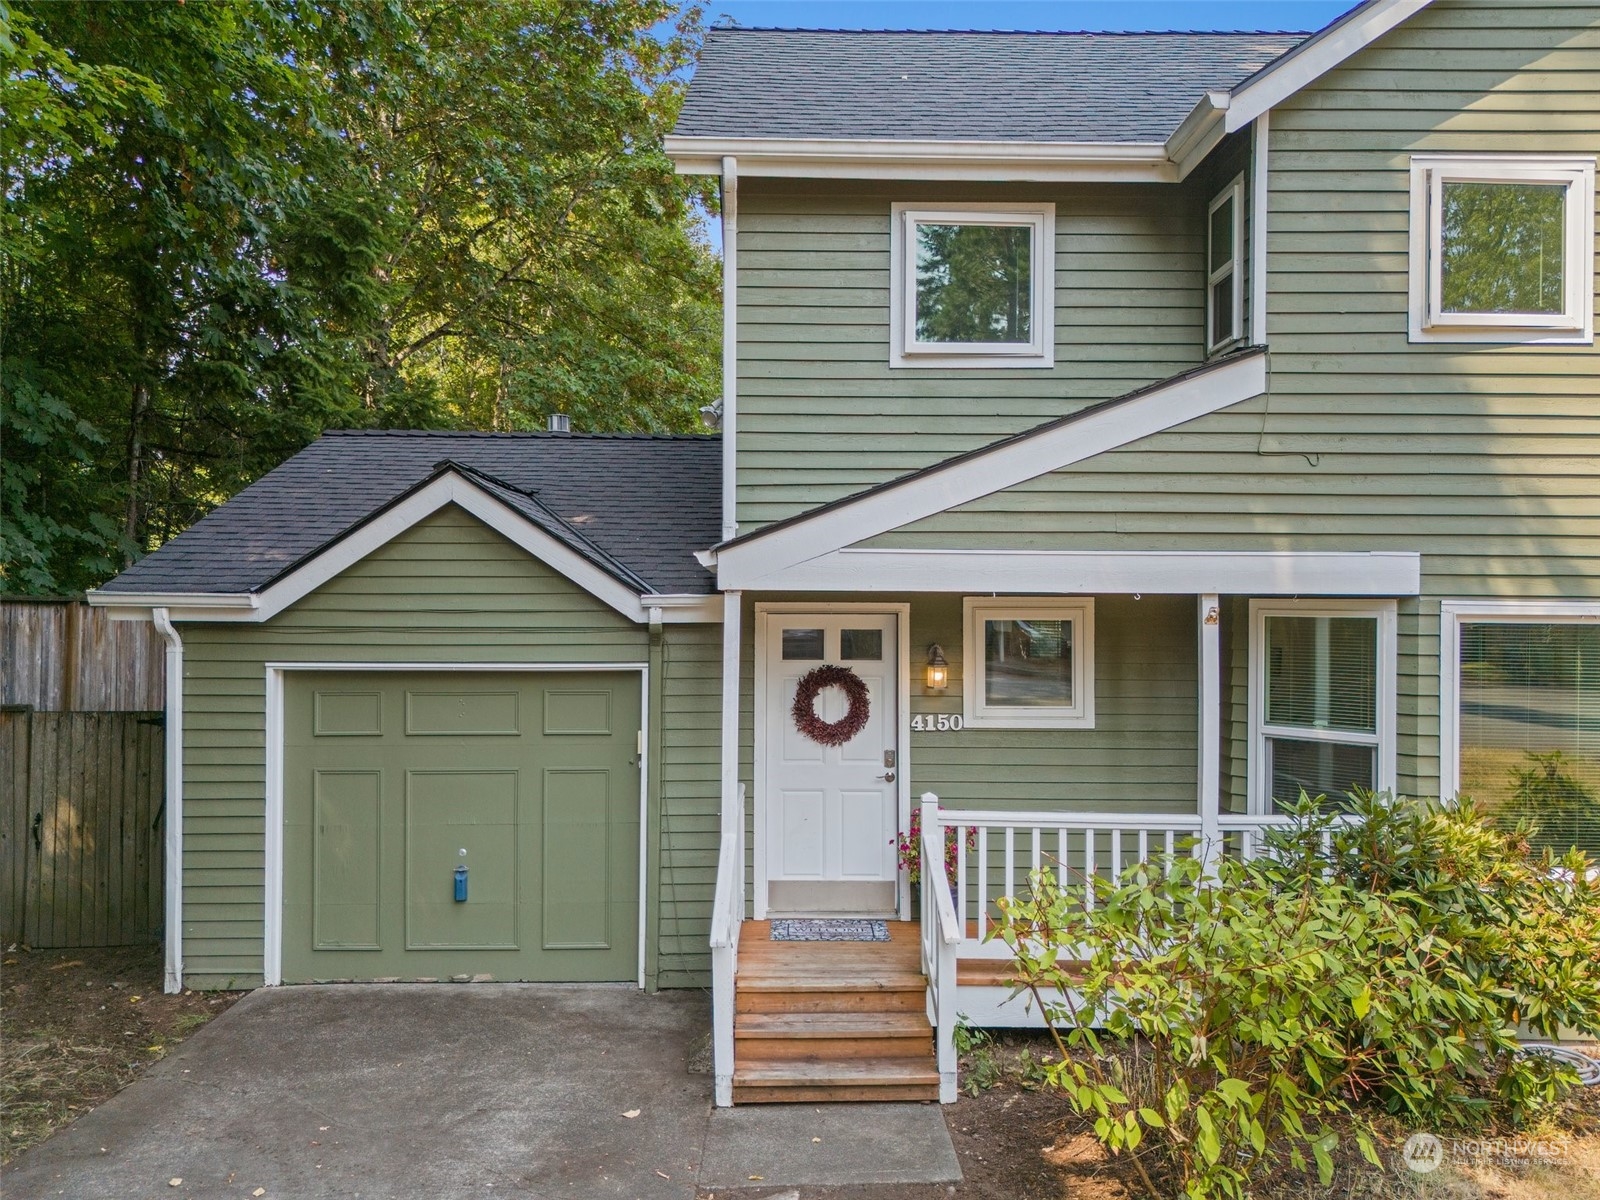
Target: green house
x: 1121, y: 433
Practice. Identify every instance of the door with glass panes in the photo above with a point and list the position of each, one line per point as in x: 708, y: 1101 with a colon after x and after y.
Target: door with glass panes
x: 831, y: 811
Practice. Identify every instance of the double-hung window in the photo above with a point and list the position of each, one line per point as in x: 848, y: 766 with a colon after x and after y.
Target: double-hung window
x: 1029, y: 663
x: 1224, y: 295
x: 1502, y: 248
x: 973, y: 286
x: 1322, y: 702
x: 1520, y: 715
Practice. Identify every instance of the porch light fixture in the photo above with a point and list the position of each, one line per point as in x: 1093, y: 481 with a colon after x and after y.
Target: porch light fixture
x: 938, y: 669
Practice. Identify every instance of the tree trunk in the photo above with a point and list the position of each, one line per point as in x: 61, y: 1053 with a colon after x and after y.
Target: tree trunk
x: 138, y: 411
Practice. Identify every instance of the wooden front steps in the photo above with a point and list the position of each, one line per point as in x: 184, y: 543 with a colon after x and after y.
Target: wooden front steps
x: 826, y: 1021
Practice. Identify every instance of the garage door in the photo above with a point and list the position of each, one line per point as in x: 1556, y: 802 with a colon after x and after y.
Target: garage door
x: 443, y: 824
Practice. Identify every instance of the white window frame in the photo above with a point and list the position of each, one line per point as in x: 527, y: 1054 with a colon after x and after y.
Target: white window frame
x: 906, y: 351
x: 1385, y: 612
x: 1234, y: 192
x: 1453, y: 614
x: 1079, y: 610
x: 1429, y: 173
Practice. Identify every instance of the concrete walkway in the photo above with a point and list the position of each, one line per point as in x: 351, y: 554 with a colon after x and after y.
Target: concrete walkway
x: 391, y: 1092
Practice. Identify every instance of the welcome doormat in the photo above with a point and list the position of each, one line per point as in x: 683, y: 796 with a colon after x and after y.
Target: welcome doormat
x: 829, y: 929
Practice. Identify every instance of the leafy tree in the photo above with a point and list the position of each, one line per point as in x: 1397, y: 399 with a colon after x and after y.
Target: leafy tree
x: 231, y: 225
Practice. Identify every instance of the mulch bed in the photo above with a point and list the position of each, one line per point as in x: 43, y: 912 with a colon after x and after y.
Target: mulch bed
x: 77, y: 1026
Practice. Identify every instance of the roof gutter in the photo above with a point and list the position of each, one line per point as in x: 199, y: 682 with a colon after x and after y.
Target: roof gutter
x: 1199, y: 132
x: 897, y: 158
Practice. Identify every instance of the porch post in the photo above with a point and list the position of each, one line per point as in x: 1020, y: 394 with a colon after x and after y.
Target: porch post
x: 732, y: 607
x: 1210, y: 732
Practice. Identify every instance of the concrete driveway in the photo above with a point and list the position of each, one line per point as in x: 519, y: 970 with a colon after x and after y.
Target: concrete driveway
x: 444, y: 1091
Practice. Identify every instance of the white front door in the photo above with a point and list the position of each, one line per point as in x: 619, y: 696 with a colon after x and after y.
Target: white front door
x: 831, y: 812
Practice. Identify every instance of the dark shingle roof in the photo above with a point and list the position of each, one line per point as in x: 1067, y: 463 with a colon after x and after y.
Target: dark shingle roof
x: 1024, y: 87
x: 638, y: 506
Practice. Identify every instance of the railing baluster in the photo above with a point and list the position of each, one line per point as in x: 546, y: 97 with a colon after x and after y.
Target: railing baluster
x: 1169, y: 842
x: 1088, y: 868
x: 1035, y: 847
x: 1010, y: 860
x: 1061, y: 856
x: 1116, y: 857
x: 983, y: 876
x: 1144, y: 845
x: 961, y: 876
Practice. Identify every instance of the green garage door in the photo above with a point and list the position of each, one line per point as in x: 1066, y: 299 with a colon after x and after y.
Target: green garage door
x: 393, y: 781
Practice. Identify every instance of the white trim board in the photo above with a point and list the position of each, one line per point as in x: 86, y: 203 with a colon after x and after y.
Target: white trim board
x: 1452, y: 615
x: 1058, y: 572
x: 351, y: 548
x: 1315, y: 57
x: 905, y: 158
x: 1009, y: 463
x: 272, y: 881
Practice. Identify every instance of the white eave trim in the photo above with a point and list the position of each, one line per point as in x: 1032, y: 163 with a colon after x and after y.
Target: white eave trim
x: 1199, y: 134
x: 751, y: 564
x: 449, y: 488
x: 1114, y: 572
x: 1315, y: 57
x: 893, y: 158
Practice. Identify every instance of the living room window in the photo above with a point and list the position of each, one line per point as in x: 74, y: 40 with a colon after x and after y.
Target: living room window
x: 973, y: 286
x: 1520, y: 715
x: 1029, y: 663
x: 1502, y: 248
x: 1322, y: 706
x: 1224, y: 295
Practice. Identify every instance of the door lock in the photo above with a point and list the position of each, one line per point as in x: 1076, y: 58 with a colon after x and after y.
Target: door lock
x: 887, y: 777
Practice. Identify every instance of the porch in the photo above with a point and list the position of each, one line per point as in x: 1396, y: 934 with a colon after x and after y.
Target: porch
x: 1154, y: 738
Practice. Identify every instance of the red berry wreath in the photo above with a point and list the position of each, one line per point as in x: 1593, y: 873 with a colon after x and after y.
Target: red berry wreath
x: 831, y: 733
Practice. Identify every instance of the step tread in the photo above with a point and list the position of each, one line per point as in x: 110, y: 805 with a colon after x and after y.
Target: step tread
x: 885, y: 1072
x: 845, y: 981
x: 831, y: 1025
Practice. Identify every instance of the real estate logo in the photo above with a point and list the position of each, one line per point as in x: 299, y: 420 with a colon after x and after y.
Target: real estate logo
x: 1422, y: 1153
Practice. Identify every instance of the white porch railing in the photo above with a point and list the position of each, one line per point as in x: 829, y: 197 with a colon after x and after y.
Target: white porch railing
x: 1005, y: 847
x: 727, y: 917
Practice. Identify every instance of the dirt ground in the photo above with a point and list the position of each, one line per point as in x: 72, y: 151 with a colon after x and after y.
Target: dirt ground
x: 76, y: 1027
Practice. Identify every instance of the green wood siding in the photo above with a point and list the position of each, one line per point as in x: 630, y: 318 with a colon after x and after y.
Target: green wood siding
x: 1140, y: 754
x: 1478, y: 456
x: 822, y: 414
x: 448, y: 590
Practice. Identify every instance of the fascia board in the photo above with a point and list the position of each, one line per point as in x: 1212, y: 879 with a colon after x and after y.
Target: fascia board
x: 1155, y: 572
x: 975, y: 476
x: 1315, y: 57
x: 887, y: 158
x: 690, y: 608
x: 1199, y: 133
x: 218, y: 600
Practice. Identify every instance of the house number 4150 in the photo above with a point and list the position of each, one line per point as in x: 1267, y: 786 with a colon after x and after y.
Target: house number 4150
x: 936, y: 723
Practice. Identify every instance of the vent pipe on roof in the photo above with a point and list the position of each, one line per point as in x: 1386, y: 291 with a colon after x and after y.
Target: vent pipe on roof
x: 560, y: 423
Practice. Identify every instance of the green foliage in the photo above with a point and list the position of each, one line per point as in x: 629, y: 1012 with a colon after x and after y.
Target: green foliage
x: 232, y: 225
x: 1553, y: 806
x: 1379, y: 960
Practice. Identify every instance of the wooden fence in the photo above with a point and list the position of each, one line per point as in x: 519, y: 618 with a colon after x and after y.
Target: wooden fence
x: 63, y: 656
x: 81, y: 828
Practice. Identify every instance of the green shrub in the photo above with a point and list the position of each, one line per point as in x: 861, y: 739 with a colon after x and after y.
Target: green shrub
x: 1273, y: 1003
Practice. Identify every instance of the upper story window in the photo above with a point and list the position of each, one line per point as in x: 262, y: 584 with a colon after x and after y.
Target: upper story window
x: 1502, y: 248
x: 1224, y: 296
x: 973, y: 286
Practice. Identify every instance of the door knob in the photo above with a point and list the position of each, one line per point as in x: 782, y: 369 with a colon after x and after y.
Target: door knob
x: 887, y: 777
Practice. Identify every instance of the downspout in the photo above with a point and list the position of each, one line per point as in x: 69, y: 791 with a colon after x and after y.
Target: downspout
x: 730, y: 345
x: 174, y: 801
x: 656, y: 810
